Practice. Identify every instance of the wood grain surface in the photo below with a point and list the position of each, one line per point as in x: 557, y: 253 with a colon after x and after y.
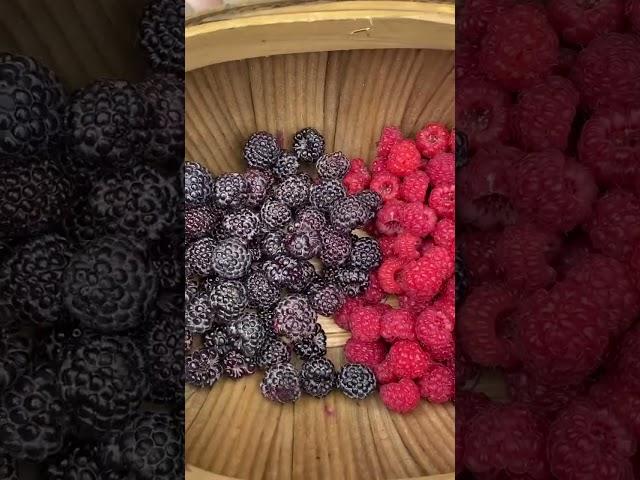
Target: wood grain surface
x: 231, y: 430
x: 81, y: 40
x: 349, y: 96
x: 319, y: 26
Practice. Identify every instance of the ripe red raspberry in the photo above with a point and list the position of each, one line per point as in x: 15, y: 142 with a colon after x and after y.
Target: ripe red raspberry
x: 484, y: 198
x: 622, y: 400
x: 586, y: 441
x: 406, y: 246
x: 373, y: 294
x: 434, y: 336
x: 403, y: 158
x: 555, y: 192
x: 424, y: 277
x: 386, y: 245
x: 524, y: 254
x: 634, y: 266
x: 408, y: 360
x: 414, y: 187
x: 445, y: 302
x: 389, y: 218
x: 481, y: 326
x: 632, y: 11
x: 614, y: 227
x: 438, y: 384
x: 365, y: 323
x: 397, y: 324
x: 365, y: 353
x: 580, y: 22
x: 384, y: 373
x: 607, y: 71
x: 432, y: 139
x: 418, y: 219
x: 412, y: 304
x: 605, y: 280
x: 482, y: 112
x: 476, y: 16
x: 401, y: 397
x: 443, y: 201
x: 525, y: 389
x: 385, y: 184
x: 343, y: 316
x: 544, y: 113
x: 625, y: 365
x: 561, y: 337
x: 389, y: 273
x: 442, y: 169
x: 479, y: 253
x: 357, y: 178
x: 609, y: 146
x: 388, y: 138
x: 520, y: 48
x: 507, y: 439
x: 466, y: 62
x: 445, y: 233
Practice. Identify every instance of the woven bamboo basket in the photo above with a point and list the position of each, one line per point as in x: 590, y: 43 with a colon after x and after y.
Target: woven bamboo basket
x: 348, y: 69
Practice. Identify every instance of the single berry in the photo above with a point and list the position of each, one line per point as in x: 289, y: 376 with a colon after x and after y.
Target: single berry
x: 231, y: 258
x: 261, y: 150
x: 259, y: 183
x: 520, y: 47
x: 401, y: 397
x: 203, y: 368
x: 273, y: 352
x: 110, y: 285
x: 404, y: 158
x: 365, y: 254
x: 308, y: 145
x: 286, y: 165
x: 365, y: 324
x: 294, y: 191
x: 103, y: 383
x: 318, y: 377
x: 397, y: 324
x: 32, y: 107
x: 309, y: 218
x: 107, y: 125
x: 432, y: 139
x: 236, y: 365
x: 229, y: 299
x: 242, y: 224
x: 327, y: 300
x: 441, y: 170
x: 275, y: 214
x: 313, y: 347
x: 260, y: 292
x: 357, y: 178
x: 356, y: 381
x: 198, y: 185
x: 348, y: 214
x: 33, y: 416
x: 421, y: 220
x: 162, y: 35
x: 281, y: 384
x: 325, y: 194
x: 335, y: 247
x: 303, y: 245
x: 198, y: 258
x: 332, y: 166
x: 388, y: 138
x: 272, y: 245
x: 294, y: 318
x: 408, y: 360
x: 365, y: 353
x: 414, y: 187
x: 230, y: 191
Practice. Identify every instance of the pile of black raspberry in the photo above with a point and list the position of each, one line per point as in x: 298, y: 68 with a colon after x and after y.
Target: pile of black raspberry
x: 268, y: 251
x: 91, y: 264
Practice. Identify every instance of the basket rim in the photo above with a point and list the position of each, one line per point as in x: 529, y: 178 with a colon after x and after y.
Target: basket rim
x: 319, y: 26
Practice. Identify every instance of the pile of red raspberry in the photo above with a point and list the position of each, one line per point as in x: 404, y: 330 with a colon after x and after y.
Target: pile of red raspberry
x: 411, y: 348
x: 548, y: 253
